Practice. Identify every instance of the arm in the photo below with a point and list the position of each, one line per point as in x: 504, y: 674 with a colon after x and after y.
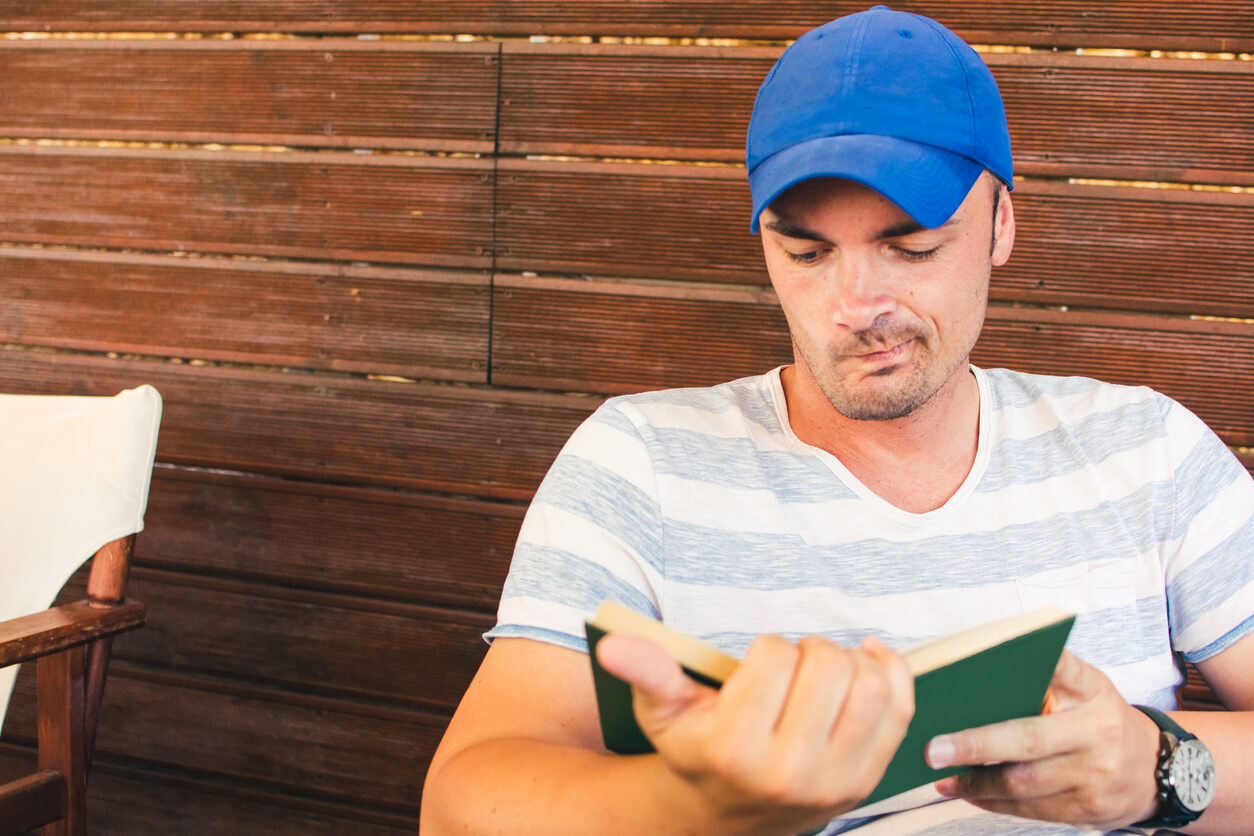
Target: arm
x: 1230, y: 737
x: 1092, y: 758
x: 799, y: 734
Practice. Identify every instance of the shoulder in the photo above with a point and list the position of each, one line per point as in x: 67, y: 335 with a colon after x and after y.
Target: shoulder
x: 1079, y: 400
x: 1071, y: 395
x: 726, y: 409
x: 1134, y: 429
x: 1027, y: 404
x: 632, y: 438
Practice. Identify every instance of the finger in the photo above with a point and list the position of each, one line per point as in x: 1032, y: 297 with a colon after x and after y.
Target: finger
x: 875, y: 715
x: 1058, y: 807
x: 1018, y: 781
x: 1026, y: 739
x: 1074, y: 682
x: 1045, y: 807
x: 1057, y: 789
x: 1061, y: 728
x: 753, y: 698
x: 656, y: 678
x: 901, y: 683
x: 819, y: 687
x: 833, y: 742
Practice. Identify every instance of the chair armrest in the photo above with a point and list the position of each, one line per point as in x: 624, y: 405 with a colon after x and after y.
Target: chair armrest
x: 41, y: 633
x: 32, y: 801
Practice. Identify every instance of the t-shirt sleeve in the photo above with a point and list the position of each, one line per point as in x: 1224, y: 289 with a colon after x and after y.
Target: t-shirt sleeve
x: 1209, y: 571
x: 592, y: 532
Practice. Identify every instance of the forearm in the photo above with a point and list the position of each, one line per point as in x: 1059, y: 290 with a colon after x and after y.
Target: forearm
x: 524, y: 787
x: 798, y: 735
x: 1230, y: 737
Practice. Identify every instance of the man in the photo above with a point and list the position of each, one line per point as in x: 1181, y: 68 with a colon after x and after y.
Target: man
x: 878, y: 486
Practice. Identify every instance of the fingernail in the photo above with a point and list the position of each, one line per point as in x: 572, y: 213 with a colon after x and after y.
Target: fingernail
x: 947, y: 787
x: 940, y: 752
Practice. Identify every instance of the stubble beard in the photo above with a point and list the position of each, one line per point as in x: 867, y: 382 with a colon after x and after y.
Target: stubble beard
x: 895, y: 392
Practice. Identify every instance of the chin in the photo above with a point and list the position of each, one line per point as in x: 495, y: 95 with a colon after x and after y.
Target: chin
x: 876, y: 411
x: 880, y: 398
x: 888, y: 407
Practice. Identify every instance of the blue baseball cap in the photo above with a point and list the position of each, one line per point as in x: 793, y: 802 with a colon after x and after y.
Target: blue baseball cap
x: 892, y: 100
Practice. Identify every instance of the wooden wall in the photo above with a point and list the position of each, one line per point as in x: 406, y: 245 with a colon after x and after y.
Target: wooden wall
x: 379, y: 274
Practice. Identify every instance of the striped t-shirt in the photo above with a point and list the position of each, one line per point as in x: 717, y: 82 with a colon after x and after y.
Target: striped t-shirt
x: 702, y: 508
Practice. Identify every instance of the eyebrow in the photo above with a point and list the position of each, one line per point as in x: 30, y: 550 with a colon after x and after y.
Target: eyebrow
x: 901, y: 230
x: 789, y: 229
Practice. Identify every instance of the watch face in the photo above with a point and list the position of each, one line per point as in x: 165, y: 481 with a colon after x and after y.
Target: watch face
x: 1193, y: 775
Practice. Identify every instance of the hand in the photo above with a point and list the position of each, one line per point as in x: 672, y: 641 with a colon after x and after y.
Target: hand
x: 798, y: 734
x: 1089, y: 760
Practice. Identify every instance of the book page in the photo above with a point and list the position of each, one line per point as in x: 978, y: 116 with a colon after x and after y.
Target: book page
x: 948, y: 649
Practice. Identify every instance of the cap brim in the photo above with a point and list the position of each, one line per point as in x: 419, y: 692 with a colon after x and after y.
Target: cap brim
x: 929, y: 184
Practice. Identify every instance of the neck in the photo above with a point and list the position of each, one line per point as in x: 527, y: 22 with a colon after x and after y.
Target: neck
x: 916, y: 462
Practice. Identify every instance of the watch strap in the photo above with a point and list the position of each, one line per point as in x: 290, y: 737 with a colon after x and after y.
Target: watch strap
x: 1165, y: 723
x: 1171, y: 813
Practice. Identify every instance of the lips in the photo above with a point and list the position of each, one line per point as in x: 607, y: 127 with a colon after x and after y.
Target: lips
x: 888, y: 354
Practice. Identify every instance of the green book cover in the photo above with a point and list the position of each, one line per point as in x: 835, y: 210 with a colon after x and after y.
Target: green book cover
x: 995, y: 672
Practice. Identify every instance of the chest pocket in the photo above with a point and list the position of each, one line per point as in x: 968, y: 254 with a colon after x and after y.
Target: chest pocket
x: 1081, y: 588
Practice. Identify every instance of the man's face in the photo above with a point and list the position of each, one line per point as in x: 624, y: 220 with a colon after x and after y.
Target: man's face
x: 883, y: 312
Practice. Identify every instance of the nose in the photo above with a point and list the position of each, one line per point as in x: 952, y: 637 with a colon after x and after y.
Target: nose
x: 859, y: 293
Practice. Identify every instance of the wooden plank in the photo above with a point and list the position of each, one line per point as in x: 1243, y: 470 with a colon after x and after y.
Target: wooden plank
x: 413, y: 323
x: 32, y: 800
x: 62, y: 741
x: 329, y: 428
x: 1205, y: 371
x: 304, y: 641
x: 16, y: 760
x: 241, y: 735
x: 324, y: 93
x: 1129, y: 118
x: 1196, y: 694
x: 402, y: 546
x: 623, y: 337
x: 1159, y: 119
x: 1115, y: 247
x: 687, y: 223
x: 683, y: 103
x: 615, y: 337
x: 127, y: 800
x: 1103, y: 246
x: 333, y: 205
x: 1208, y: 25
x: 49, y: 631
x: 135, y: 803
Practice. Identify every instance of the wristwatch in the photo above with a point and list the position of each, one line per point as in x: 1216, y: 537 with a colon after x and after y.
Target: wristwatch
x: 1185, y: 774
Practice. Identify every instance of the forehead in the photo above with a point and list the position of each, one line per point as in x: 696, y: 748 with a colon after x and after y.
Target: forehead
x: 820, y: 193
x: 837, y: 199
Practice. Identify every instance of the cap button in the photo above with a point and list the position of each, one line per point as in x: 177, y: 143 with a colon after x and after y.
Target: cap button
x: 880, y: 9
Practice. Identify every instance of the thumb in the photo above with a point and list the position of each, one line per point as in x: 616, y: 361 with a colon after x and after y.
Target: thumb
x: 1074, y: 683
x: 660, y: 686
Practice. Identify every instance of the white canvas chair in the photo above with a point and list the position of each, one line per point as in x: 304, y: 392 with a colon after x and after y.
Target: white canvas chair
x: 74, y: 477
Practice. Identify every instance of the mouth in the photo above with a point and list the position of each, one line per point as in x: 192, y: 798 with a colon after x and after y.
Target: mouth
x: 888, y: 355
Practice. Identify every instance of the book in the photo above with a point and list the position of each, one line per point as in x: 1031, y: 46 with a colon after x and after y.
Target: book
x: 990, y: 673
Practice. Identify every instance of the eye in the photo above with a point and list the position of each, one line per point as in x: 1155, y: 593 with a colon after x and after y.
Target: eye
x: 807, y: 257
x: 917, y: 255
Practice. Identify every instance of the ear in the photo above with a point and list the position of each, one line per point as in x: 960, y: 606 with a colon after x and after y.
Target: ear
x: 1003, y: 229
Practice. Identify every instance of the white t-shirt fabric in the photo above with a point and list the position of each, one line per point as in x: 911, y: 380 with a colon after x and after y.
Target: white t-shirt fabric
x: 702, y: 508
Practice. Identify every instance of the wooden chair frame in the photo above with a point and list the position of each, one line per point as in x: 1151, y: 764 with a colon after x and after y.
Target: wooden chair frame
x: 70, y: 645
